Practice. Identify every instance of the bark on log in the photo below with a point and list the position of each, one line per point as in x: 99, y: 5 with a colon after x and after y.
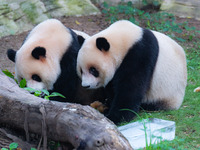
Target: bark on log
x: 82, y: 126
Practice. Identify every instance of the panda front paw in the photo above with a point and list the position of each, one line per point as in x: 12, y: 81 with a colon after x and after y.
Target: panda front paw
x: 99, y: 106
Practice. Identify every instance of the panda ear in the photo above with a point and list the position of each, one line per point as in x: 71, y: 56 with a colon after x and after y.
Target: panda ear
x: 11, y: 54
x: 80, y: 40
x: 102, y: 44
x: 39, y: 51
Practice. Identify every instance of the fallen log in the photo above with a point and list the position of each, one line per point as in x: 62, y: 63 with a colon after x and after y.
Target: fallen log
x: 81, y: 126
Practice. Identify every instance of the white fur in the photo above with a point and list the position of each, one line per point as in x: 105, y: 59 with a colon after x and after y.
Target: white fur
x: 170, y: 75
x: 55, y: 38
x: 87, y: 79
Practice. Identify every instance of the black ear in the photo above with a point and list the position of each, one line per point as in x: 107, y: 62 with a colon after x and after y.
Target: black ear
x: 80, y: 40
x: 102, y: 44
x: 38, y: 51
x: 11, y: 54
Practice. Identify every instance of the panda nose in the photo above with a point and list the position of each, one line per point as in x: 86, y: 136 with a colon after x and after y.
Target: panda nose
x: 87, y: 86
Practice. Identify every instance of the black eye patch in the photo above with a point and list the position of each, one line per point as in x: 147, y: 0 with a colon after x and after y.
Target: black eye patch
x: 36, y: 78
x: 94, y: 72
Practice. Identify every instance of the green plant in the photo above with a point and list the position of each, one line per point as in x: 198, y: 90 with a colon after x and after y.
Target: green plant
x: 22, y: 83
x: 46, y: 93
x: 113, y: 12
x: 9, y: 74
x: 168, y: 145
x: 37, y: 93
x: 11, y: 146
x: 14, y: 146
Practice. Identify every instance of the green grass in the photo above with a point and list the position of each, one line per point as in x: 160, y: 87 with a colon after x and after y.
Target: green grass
x: 187, y: 118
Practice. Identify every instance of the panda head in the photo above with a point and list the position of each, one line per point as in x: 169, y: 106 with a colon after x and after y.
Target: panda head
x: 95, y: 65
x: 102, y: 54
x: 38, y: 60
x: 39, y: 72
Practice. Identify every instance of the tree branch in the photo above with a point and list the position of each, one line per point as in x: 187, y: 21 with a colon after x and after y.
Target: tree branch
x: 82, y: 126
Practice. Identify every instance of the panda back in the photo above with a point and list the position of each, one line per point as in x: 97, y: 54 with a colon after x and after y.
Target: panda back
x: 170, y: 74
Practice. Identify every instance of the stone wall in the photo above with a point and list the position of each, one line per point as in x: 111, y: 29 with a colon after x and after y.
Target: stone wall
x: 21, y: 15
x: 183, y: 8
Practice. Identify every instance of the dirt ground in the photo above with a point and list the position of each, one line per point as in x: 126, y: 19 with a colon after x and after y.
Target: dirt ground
x: 88, y: 24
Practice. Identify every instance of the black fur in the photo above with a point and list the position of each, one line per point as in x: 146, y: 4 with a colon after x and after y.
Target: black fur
x: 11, y: 54
x: 80, y: 39
x: 67, y: 82
x: 158, y: 105
x: 132, y: 79
x: 38, y: 51
x: 102, y: 44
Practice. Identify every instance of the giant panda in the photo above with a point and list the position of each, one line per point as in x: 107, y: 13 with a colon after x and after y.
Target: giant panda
x: 47, y: 60
x: 138, y: 68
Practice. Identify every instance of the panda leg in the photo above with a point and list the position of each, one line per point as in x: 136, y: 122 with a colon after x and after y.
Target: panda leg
x: 127, y: 100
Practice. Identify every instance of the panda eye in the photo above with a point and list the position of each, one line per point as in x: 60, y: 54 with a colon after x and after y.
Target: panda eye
x: 36, y: 78
x: 94, y: 72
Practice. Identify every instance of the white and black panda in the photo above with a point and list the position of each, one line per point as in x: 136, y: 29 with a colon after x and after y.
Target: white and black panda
x: 136, y: 66
x: 47, y: 59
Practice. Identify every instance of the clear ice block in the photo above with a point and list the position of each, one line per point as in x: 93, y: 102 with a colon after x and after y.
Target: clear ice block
x: 155, y: 129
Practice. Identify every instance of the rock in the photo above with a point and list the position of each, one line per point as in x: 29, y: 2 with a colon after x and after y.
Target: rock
x: 70, y: 8
x: 182, y: 8
x: 22, y: 15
